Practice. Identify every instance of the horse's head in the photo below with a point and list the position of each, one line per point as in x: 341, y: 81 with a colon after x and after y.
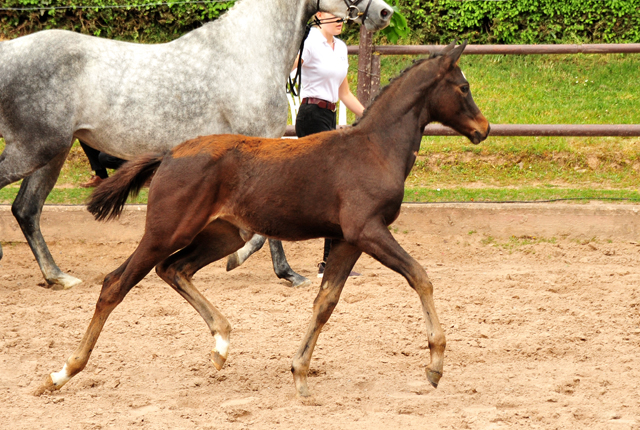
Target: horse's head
x: 374, y: 14
x: 450, y: 102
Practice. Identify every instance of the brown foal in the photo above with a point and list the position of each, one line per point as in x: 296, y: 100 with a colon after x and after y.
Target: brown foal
x: 212, y: 193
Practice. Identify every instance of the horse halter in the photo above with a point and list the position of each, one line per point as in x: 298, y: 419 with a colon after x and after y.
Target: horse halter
x: 353, y: 12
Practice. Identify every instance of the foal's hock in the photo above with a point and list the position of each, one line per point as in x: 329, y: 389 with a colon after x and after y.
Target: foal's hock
x: 210, y: 192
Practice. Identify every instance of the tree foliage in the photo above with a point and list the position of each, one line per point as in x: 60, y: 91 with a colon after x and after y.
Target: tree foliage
x: 143, y: 21
x: 523, y: 21
x: 420, y: 21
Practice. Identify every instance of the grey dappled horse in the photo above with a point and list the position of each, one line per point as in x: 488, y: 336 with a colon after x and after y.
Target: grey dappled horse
x: 127, y: 99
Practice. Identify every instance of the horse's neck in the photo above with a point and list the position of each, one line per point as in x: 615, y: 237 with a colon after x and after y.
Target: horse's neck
x: 272, y: 29
x: 397, y: 115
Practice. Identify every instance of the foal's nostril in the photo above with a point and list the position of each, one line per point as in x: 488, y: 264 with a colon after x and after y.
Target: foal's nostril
x: 385, y: 13
x: 477, y: 137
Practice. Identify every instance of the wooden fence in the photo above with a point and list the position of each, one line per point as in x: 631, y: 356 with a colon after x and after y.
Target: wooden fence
x: 369, y: 83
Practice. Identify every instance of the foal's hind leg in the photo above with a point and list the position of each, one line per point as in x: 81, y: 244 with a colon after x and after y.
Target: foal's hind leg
x: 153, y: 248
x: 342, y: 258
x: 216, y: 241
x: 27, y: 209
x: 112, y: 293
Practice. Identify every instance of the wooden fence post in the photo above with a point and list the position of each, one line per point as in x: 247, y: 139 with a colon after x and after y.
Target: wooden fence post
x: 375, y: 75
x: 364, y: 66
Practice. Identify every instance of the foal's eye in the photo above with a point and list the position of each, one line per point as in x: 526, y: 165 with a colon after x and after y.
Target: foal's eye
x: 464, y: 89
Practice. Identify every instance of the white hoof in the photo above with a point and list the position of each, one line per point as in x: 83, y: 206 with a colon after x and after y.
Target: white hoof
x: 64, y: 282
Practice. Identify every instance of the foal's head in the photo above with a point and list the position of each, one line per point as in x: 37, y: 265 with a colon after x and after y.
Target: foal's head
x: 449, y: 99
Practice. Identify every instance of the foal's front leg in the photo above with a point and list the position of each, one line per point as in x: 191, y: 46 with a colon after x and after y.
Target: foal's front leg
x: 342, y: 258
x: 377, y: 241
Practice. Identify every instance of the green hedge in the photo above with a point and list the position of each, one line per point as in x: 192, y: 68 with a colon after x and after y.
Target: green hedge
x: 149, y: 24
x: 524, y: 21
x: 430, y: 21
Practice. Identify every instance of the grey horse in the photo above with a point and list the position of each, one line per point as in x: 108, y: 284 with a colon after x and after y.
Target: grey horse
x: 127, y: 99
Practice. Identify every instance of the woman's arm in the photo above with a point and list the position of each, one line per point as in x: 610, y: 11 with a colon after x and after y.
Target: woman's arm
x: 350, y: 101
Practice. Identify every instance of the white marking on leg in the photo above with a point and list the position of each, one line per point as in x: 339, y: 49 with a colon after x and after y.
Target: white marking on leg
x: 222, y: 346
x: 60, y: 378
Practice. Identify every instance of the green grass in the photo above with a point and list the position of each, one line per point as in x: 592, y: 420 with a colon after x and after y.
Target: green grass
x: 524, y: 194
x: 572, y: 89
x: 78, y: 196
x: 65, y: 196
x: 516, y: 242
x: 546, y: 89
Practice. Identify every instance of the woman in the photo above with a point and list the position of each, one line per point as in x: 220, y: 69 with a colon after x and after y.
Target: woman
x: 99, y: 162
x: 324, y: 82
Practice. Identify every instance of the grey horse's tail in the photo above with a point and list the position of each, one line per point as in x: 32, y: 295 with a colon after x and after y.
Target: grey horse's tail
x: 108, y: 199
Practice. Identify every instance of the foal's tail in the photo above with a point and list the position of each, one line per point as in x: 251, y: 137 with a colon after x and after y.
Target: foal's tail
x: 108, y: 199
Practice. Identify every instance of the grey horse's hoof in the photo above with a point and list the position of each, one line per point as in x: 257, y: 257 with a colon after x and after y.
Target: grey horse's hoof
x: 299, y: 281
x: 64, y: 282
x: 233, y: 261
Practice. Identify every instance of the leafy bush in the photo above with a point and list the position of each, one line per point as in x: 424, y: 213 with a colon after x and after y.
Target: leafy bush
x: 428, y: 21
x: 523, y: 21
x: 144, y: 23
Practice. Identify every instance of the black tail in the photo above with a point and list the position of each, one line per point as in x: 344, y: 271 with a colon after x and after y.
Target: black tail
x: 108, y: 199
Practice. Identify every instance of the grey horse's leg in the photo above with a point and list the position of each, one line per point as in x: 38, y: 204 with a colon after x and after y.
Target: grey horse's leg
x: 282, y: 268
x: 280, y: 263
x: 240, y: 256
x: 27, y: 209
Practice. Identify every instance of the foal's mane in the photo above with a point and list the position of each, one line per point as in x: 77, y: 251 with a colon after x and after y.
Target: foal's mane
x: 394, y: 81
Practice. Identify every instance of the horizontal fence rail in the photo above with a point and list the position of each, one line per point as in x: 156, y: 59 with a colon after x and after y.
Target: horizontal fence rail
x: 369, y: 83
x: 614, y: 48
x: 531, y: 130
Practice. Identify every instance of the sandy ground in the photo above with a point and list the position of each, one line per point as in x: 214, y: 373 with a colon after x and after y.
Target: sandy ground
x: 539, y: 336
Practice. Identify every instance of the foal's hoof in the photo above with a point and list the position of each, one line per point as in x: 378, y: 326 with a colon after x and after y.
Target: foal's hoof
x: 46, y: 387
x: 434, y: 377
x: 217, y: 359
x: 303, y: 393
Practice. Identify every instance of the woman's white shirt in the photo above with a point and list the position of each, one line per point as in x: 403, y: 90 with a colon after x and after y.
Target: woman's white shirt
x: 323, y: 67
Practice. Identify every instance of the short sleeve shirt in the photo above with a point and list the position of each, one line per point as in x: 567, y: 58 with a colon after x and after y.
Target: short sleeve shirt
x: 323, y: 68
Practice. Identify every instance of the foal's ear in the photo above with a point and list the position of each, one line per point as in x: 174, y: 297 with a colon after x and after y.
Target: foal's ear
x: 449, y: 47
x: 452, y: 56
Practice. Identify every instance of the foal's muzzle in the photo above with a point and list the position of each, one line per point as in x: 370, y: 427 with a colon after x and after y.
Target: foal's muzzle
x: 478, y: 136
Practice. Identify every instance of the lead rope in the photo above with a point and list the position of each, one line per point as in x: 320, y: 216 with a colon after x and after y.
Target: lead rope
x: 293, y: 85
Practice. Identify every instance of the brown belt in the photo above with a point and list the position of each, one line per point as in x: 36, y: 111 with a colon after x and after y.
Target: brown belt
x: 321, y: 103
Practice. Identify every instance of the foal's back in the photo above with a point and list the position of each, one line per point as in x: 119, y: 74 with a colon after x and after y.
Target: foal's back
x: 291, y: 183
